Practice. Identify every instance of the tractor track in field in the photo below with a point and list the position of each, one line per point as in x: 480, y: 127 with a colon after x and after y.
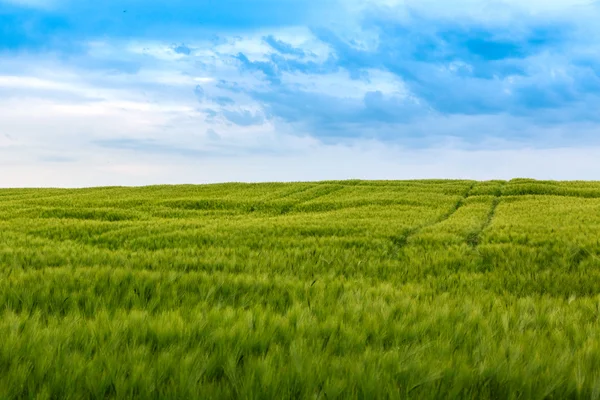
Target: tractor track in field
x: 325, y: 193
x: 309, y: 199
x: 402, y: 239
x: 475, y: 239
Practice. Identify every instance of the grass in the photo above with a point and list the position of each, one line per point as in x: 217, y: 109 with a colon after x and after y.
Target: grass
x: 345, y: 289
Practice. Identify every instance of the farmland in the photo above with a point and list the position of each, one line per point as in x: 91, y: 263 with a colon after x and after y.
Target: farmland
x: 341, y: 289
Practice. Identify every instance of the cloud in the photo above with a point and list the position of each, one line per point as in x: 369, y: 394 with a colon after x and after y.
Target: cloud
x: 182, y: 49
x: 57, y: 159
x: 283, y: 47
x: 243, y: 118
x: 199, y: 93
x: 215, y: 148
x: 210, y: 113
x: 223, y: 100
x: 149, y: 146
x: 268, y: 69
x: 212, y: 134
x: 389, y: 109
x: 521, y: 66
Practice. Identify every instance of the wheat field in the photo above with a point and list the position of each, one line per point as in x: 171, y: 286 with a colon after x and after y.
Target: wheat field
x: 342, y: 289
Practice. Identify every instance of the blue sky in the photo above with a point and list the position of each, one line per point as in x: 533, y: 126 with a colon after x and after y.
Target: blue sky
x: 138, y: 92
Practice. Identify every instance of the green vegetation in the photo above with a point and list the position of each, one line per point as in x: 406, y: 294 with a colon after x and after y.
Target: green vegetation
x: 353, y: 289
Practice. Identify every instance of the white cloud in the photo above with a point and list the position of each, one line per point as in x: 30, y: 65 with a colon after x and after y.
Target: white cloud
x: 109, y: 125
x: 342, y: 86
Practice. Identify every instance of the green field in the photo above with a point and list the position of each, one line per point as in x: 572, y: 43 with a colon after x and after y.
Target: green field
x: 345, y: 289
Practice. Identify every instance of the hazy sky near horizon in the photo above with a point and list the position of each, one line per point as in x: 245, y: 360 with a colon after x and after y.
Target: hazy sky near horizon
x: 136, y: 92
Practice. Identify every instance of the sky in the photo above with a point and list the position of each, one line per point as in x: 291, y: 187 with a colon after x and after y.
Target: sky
x: 136, y: 92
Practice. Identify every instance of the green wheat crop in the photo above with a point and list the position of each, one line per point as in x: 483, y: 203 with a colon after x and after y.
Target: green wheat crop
x: 341, y: 289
